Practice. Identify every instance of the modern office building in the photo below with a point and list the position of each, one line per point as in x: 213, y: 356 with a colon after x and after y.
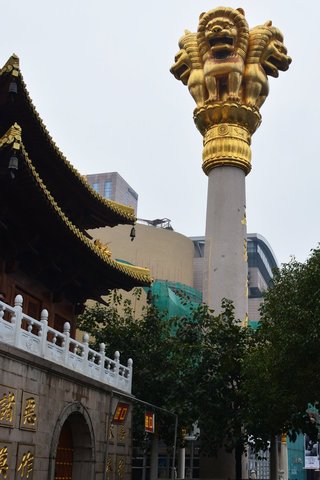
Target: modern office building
x: 112, y: 186
x: 261, y: 262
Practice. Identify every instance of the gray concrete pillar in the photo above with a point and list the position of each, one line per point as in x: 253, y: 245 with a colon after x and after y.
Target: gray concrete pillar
x: 181, y: 463
x: 226, y: 270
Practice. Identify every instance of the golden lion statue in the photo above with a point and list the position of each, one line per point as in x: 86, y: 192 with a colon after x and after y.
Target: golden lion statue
x: 226, y: 69
x: 224, y: 62
x: 188, y: 68
x: 223, y: 36
x: 266, y: 56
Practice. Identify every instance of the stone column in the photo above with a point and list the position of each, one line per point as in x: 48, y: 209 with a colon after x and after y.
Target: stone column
x: 226, y: 162
x: 225, y: 271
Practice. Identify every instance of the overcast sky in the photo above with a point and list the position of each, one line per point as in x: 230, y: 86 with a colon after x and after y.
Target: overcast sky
x: 98, y: 73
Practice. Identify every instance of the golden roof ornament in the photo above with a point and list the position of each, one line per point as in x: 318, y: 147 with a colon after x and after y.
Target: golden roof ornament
x: 226, y: 67
x: 103, y: 247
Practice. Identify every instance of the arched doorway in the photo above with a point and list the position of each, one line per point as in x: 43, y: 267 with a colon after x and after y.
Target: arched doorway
x: 72, y: 454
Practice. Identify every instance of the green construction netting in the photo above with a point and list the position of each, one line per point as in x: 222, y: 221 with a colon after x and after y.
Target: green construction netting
x: 176, y: 299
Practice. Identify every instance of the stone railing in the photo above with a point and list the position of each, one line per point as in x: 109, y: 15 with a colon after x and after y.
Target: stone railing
x: 38, y: 338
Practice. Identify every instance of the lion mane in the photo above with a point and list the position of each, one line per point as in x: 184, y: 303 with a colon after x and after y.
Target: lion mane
x: 266, y: 56
x: 222, y: 36
x: 188, y: 67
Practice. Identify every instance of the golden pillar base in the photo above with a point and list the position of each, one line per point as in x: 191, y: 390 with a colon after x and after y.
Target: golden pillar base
x: 227, y: 128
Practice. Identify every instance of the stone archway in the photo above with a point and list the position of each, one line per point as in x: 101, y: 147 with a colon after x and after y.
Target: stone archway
x: 76, y: 420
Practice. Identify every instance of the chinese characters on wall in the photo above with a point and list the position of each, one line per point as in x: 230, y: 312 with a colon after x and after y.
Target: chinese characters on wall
x: 18, y: 409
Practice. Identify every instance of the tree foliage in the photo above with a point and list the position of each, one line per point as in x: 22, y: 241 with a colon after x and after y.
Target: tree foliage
x: 192, y: 366
x: 217, y: 345
x: 146, y: 339
x: 237, y: 383
x: 283, y: 367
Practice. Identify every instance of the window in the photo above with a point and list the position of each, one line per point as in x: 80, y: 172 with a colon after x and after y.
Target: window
x: 95, y: 187
x: 198, y: 248
x: 108, y: 188
x: 133, y: 193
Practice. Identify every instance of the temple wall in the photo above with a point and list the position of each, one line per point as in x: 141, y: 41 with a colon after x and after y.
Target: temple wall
x: 37, y: 398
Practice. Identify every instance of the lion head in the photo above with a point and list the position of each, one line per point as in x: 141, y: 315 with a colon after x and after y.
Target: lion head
x: 223, y: 31
x: 274, y: 57
x: 187, y: 58
x: 182, y: 66
x: 221, y: 34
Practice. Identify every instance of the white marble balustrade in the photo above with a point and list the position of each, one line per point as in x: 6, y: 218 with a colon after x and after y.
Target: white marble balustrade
x: 38, y: 338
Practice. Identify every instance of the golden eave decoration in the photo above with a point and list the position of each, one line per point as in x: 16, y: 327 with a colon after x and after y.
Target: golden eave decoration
x: 13, y: 138
x: 226, y: 67
x: 11, y: 67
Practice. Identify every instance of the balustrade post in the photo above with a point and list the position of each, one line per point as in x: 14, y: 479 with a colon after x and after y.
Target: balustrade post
x: 43, y: 332
x: 85, y: 353
x: 130, y: 368
x: 66, y: 332
x: 102, y: 361
x: 1, y: 318
x: 117, y: 365
x: 16, y: 319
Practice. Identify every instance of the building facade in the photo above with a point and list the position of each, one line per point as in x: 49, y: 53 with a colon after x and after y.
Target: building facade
x: 176, y: 263
x: 112, y: 186
x: 167, y: 254
x: 261, y: 264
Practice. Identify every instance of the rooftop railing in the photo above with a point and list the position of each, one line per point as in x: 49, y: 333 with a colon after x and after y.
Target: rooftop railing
x: 37, y: 337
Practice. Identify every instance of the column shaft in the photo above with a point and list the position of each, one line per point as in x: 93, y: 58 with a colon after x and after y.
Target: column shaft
x: 226, y: 270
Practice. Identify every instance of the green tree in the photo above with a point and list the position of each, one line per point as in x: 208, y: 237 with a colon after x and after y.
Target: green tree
x: 148, y: 340
x: 236, y: 383
x: 192, y: 366
x: 219, y: 347
x: 286, y: 354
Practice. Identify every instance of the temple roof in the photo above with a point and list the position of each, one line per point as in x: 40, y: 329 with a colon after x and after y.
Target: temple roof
x: 55, y: 170
x: 37, y: 234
